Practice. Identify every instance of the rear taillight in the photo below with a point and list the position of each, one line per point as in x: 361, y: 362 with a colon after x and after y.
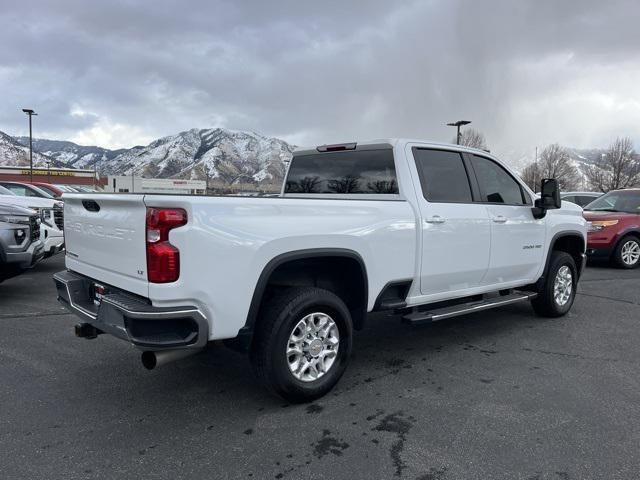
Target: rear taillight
x: 163, y: 259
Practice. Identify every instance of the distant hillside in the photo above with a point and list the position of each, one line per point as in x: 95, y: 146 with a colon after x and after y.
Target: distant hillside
x: 69, y: 153
x: 226, y: 156
x: 13, y: 152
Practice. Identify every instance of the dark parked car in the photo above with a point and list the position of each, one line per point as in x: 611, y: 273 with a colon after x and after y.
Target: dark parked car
x: 580, y: 198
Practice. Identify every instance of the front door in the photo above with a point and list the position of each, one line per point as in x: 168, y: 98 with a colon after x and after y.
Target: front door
x: 517, y: 239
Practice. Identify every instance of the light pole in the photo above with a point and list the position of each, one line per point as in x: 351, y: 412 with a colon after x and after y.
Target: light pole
x: 30, y: 113
x: 458, y: 124
x: 535, y: 172
x: 49, y: 172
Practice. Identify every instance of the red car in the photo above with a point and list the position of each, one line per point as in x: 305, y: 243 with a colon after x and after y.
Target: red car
x: 614, y: 227
x: 47, y: 187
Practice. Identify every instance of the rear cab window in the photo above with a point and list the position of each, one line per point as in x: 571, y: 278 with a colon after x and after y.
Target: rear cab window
x: 347, y: 172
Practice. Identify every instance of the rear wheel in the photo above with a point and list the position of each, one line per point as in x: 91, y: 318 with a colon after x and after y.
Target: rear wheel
x: 627, y: 253
x: 556, y: 296
x: 302, y: 343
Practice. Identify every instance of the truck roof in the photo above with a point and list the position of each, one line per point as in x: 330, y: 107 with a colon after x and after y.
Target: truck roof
x: 382, y: 143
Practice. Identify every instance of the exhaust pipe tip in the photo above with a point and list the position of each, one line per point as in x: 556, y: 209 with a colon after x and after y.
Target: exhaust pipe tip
x: 149, y: 360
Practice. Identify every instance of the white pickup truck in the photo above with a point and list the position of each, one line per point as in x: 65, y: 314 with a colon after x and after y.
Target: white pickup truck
x: 428, y: 230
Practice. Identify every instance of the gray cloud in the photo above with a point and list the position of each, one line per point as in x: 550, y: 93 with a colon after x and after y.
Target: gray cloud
x: 120, y: 73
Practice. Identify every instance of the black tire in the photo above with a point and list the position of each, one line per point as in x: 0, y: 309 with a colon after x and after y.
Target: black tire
x: 617, y: 253
x: 545, y: 303
x: 274, y: 326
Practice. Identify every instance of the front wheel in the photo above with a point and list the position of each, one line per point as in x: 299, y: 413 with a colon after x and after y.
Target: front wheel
x: 302, y: 343
x: 558, y: 292
x: 627, y: 253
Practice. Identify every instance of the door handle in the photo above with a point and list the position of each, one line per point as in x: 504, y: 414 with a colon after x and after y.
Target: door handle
x: 435, y: 219
x: 500, y: 219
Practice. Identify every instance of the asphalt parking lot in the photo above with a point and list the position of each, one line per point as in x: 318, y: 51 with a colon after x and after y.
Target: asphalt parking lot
x: 499, y: 394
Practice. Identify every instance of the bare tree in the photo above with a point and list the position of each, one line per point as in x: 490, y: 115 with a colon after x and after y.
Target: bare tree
x: 618, y: 168
x: 531, y: 176
x: 554, y: 162
x: 471, y: 137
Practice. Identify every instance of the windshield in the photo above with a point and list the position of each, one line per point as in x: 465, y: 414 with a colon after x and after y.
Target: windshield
x: 5, y: 191
x: 623, y: 201
x: 41, y: 191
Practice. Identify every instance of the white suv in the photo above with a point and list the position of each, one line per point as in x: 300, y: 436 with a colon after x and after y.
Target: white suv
x: 52, y: 214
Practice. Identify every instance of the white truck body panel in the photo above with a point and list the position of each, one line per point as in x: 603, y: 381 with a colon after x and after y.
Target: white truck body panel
x: 108, y: 245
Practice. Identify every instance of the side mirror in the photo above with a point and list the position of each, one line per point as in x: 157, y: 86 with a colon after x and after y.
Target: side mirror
x: 549, y: 197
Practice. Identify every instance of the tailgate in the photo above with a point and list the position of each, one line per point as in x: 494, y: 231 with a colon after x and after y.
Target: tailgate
x: 105, y: 239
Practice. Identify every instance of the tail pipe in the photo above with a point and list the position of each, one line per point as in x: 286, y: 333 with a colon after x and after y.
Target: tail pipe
x: 151, y: 360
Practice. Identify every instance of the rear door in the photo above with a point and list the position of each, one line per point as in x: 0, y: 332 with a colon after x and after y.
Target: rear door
x: 455, y: 230
x: 517, y: 239
x: 105, y: 239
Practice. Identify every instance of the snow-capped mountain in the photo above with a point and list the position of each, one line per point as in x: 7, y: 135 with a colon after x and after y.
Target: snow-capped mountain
x: 13, y: 153
x: 228, y: 155
x: 69, y: 153
x: 223, y: 155
x: 520, y: 159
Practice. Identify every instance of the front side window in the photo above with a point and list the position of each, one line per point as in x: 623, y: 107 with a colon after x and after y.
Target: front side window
x: 496, y: 184
x: 443, y: 176
x: 350, y: 172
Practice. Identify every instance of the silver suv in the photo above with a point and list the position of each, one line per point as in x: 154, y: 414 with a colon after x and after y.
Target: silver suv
x: 20, y: 244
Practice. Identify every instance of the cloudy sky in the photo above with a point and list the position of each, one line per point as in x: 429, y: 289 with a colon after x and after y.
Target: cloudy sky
x: 122, y: 73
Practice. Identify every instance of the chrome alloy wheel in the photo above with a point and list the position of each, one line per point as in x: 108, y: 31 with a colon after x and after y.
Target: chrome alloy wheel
x: 630, y: 252
x: 313, y: 346
x: 563, y: 286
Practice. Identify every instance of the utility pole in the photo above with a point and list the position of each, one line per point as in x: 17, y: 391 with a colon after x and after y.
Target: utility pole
x: 458, y: 124
x: 49, y: 172
x: 30, y: 113
x: 535, y: 172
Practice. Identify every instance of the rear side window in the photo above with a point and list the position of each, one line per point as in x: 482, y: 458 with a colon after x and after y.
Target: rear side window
x: 354, y: 172
x: 443, y: 176
x: 496, y: 184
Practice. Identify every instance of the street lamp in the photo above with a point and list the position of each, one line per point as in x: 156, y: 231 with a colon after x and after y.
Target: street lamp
x: 458, y: 124
x: 30, y: 113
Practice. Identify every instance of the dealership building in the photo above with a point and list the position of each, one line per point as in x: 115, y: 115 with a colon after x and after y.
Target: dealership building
x: 112, y: 183
x: 55, y: 176
x: 129, y: 184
